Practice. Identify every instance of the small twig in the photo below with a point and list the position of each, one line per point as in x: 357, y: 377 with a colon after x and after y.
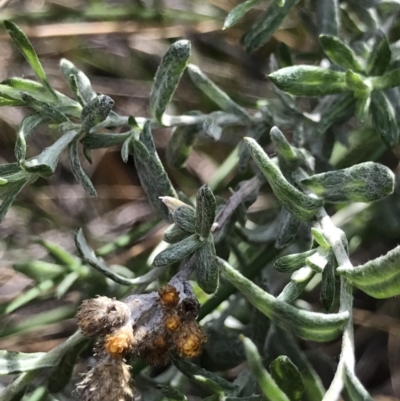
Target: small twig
x: 245, y: 192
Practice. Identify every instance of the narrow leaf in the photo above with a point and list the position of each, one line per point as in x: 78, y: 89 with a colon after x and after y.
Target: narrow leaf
x: 77, y: 168
x: 264, y: 28
x: 46, y: 163
x: 39, y: 270
x: 171, y: 393
x: 206, y: 269
x: 26, y: 48
x: 265, y: 381
x: 174, y: 234
x: 379, y: 277
x: 216, y: 94
x: 84, y: 87
x: 380, y: 56
x: 26, y: 128
x: 45, y: 108
x: 167, y: 77
x: 384, y: 118
x: 293, y: 262
x: 238, y: 12
x: 308, y: 80
x: 205, y: 211
x: 364, y: 182
x: 287, y: 377
x: 287, y: 228
x: 302, y: 206
x: 328, y: 289
x: 339, y: 53
x: 178, y: 251
x: 18, y: 362
x: 185, y: 218
x: 328, y: 21
x: 309, y: 325
x: 98, y: 141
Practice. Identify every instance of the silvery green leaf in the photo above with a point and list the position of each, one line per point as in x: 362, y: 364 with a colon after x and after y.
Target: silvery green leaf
x: 302, y: 206
x: 309, y: 325
x: 62, y: 372
x: 319, y: 259
x: 45, y: 108
x: 357, y: 83
x: 287, y: 377
x: 287, y: 228
x: 212, y: 381
x: 280, y: 342
x: 66, y: 283
x: 328, y: 17
x: 97, y: 141
x: 174, y: 234
x: 185, y: 218
x: 7, y: 101
x: 380, y: 56
x: 238, y: 12
x: 178, y: 251
x: 216, y: 94
x: 96, y: 111
x: 26, y: 48
x: 152, y: 175
x: 205, y: 211
x: 384, y: 118
x: 362, y: 108
x: 45, y: 164
x: 39, y: 270
x: 77, y: 169
x: 288, y: 155
x: 26, y: 128
x: 320, y: 238
x: 206, y: 269
x: 263, y: 29
x: 256, y: 131
x: 83, y: 85
x: 341, y: 108
x: 267, y: 384
x: 294, y: 289
x: 293, y: 262
x: 171, y: 393
x: 379, y: 278
x: 340, y: 54
x: 33, y: 293
x: 167, y: 77
x: 126, y: 149
x: 33, y: 88
x: 9, y: 192
x: 328, y: 288
x: 181, y: 142
x: 17, y: 362
x: 308, y: 80
x: 364, y: 182
x: 355, y: 390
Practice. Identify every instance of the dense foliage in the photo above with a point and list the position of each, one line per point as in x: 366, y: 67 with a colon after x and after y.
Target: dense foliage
x: 315, y: 186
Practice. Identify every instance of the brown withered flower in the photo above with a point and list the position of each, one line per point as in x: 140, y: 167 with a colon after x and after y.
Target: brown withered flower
x: 150, y: 326
x: 109, y: 379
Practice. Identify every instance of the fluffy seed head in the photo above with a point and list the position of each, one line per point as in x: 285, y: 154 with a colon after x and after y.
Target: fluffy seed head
x: 109, y: 379
x: 118, y: 343
x: 97, y: 316
x: 189, y: 340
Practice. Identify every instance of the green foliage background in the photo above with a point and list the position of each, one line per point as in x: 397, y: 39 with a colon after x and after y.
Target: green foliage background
x: 327, y: 117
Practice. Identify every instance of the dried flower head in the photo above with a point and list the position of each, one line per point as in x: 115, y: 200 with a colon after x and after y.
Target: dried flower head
x: 148, y: 326
x: 99, y: 315
x: 109, y: 379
